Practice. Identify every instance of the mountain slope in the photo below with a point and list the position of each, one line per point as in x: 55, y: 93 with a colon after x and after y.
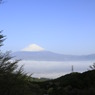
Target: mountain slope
x: 71, y: 84
x: 50, y: 56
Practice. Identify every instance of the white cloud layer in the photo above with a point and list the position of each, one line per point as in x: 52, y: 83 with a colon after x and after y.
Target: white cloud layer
x: 53, y: 69
x: 33, y: 47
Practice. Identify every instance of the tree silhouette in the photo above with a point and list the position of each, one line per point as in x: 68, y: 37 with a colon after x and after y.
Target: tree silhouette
x: 13, y: 81
x: 92, y: 67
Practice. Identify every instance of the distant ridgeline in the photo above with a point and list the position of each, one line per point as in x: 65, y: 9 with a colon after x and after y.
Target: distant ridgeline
x: 50, y: 56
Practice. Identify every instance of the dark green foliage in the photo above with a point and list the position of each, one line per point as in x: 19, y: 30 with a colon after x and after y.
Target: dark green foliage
x: 71, y: 84
x: 12, y: 79
x: 1, y: 37
x: 92, y: 67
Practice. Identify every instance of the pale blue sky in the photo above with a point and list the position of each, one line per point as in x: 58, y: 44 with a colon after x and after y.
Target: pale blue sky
x: 62, y: 26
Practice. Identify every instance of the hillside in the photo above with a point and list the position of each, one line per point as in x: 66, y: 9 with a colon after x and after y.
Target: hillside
x: 70, y: 84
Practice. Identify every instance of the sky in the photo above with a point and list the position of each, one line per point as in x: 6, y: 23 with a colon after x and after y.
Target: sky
x: 61, y: 26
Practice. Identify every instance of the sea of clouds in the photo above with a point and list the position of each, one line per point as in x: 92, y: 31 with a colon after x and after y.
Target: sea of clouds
x: 52, y: 69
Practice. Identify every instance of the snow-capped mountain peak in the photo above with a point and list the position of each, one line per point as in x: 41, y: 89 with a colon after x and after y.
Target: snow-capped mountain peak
x: 33, y: 47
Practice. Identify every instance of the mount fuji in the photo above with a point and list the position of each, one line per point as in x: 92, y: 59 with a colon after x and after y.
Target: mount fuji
x: 36, y: 53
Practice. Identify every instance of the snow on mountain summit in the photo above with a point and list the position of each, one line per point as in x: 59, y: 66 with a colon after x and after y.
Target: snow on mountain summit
x: 33, y: 47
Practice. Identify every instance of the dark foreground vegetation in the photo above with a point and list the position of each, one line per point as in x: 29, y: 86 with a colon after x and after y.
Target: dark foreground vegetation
x: 13, y: 81
x: 71, y: 84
